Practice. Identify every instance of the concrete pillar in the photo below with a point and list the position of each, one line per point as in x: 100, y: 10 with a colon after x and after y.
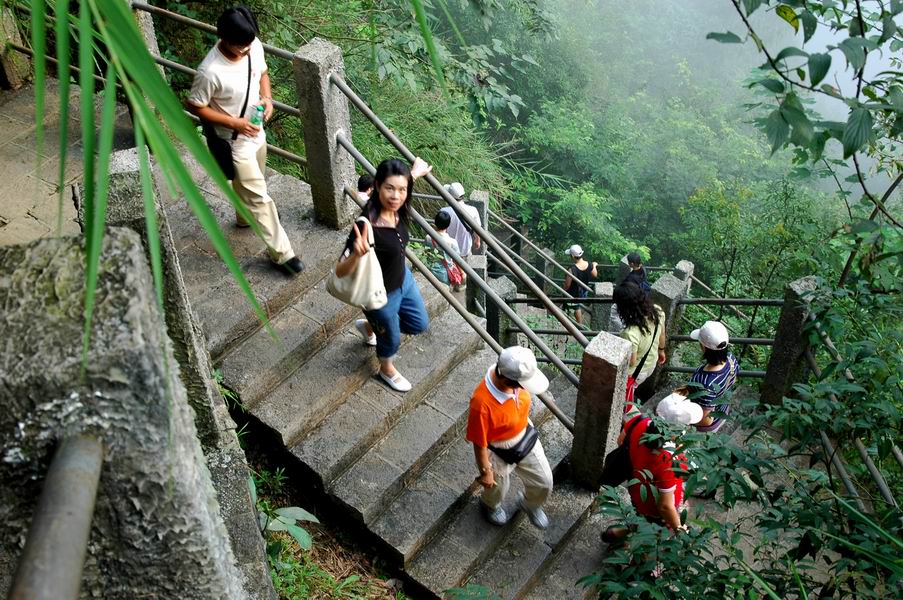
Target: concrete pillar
x: 787, y: 364
x: 667, y: 292
x: 15, y: 67
x: 156, y: 530
x: 497, y: 322
x: 479, y: 199
x: 683, y: 270
x: 623, y: 270
x: 601, y: 315
x: 146, y: 26
x: 324, y: 113
x: 551, y: 271
x: 474, y: 293
x: 600, y: 406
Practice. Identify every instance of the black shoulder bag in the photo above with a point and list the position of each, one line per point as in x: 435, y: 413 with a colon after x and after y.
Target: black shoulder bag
x: 618, y: 468
x: 519, y: 451
x: 222, y: 149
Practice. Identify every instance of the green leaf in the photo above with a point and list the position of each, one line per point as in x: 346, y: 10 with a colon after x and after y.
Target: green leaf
x: 790, y: 51
x: 854, y: 49
x: 725, y: 38
x: 772, y: 85
x: 751, y: 5
x: 888, y: 29
x: 896, y: 7
x: 810, y: 24
x: 818, y: 67
x: 857, y: 131
x: 787, y: 13
x: 61, y: 13
x: 296, y: 513
x: 802, y: 127
x: 895, y: 97
x: 301, y: 536
x: 430, y: 42
x: 776, y: 130
x: 86, y: 106
x: 150, y: 217
x: 252, y: 487
x: 39, y: 59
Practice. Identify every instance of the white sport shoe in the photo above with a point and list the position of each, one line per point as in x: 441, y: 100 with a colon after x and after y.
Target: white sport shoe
x: 397, y: 382
x: 497, y: 516
x: 361, y: 326
x: 537, y: 515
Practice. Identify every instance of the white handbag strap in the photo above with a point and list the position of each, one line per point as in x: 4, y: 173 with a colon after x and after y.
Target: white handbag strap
x: 370, y: 239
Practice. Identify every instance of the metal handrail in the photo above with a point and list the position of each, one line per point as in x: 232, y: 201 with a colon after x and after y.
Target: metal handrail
x: 536, y: 301
x: 54, y: 556
x: 538, y: 249
x: 740, y: 373
x: 487, y: 237
x: 533, y: 268
x: 739, y: 341
x: 162, y: 12
x: 559, y: 300
x: 442, y: 288
x: 733, y: 309
x: 733, y: 301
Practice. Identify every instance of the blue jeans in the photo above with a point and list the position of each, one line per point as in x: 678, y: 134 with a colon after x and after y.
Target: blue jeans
x: 403, y: 313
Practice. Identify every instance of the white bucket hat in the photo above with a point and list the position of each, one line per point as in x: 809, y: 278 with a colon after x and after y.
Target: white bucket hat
x: 576, y: 251
x: 676, y: 409
x: 518, y: 363
x: 455, y: 189
x: 713, y: 335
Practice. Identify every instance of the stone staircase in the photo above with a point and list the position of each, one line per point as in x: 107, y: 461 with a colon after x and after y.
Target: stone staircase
x: 397, y: 465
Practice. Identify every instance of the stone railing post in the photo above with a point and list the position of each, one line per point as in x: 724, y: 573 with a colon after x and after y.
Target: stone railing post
x: 601, y: 312
x: 667, y: 292
x: 497, y: 322
x: 474, y: 293
x: 787, y: 364
x: 15, y: 67
x: 549, y: 270
x: 324, y: 113
x: 600, y: 406
x: 145, y: 24
x: 684, y: 271
x: 479, y: 199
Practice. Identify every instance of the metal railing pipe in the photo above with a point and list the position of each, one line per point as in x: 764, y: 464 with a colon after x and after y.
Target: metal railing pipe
x: 733, y: 301
x: 162, y: 12
x: 740, y: 373
x: 740, y: 341
x: 703, y: 285
x: 300, y: 160
x: 442, y: 288
x: 568, y: 300
x: 537, y: 249
x: 487, y: 237
x: 533, y: 268
x: 51, y: 564
x: 472, y: 274
x: 567, y: 361
x: 837, y: 462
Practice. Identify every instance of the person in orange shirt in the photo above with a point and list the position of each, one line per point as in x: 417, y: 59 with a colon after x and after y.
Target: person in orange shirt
x: 504, y: 441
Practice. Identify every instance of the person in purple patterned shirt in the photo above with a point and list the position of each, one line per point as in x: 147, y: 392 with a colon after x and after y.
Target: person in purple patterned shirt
x: 711, y: 383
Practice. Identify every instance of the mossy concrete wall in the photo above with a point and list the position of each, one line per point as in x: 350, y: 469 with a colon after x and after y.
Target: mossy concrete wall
x: 156, y: 532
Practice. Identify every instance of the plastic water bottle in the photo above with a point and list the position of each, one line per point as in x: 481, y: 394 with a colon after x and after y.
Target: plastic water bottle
x: 257, y: 116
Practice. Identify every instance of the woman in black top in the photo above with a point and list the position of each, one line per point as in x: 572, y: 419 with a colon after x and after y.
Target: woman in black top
x: 582, y: 271
x: 404, y: 312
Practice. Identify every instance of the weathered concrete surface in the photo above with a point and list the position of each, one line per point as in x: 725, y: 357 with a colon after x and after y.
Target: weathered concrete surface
x: 156, y: 531
x: 600, y: 406
x: 324, y: 111
x: 683, y: 270
x: 601, y: 313
x: 497, y: 322
x: 787, y: 363
x: 479, y: 199
x: 15, y: 67
x: 667, y: 292
x: 473, y: 292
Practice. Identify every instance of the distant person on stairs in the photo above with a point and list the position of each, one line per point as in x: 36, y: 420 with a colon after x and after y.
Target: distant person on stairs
x: 711, y: 383
x: 233, y: 76
x: 458, y: 229
x: 581, y: 271
x: 637, y: 273
x: 504, y: 440
x: 405, y: 312
x: 364, y: 187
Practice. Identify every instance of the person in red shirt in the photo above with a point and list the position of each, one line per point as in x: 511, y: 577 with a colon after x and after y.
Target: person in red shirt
x: 504, y: 440
x: 659, y: 493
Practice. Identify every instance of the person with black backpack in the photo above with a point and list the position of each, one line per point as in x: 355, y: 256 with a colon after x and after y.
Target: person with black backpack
x: 637, y: 273
x: 231, y: 96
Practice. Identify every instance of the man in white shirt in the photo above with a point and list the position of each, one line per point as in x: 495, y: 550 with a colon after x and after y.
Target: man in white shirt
x: 217, y: 96
x: 466, y: 238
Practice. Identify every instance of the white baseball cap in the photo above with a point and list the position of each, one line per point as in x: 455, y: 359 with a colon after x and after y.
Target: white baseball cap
x: 676, y: 409
x: 455, y: 189
x: 575, y: 251
x: 519, y: 364
x: 713, y: 335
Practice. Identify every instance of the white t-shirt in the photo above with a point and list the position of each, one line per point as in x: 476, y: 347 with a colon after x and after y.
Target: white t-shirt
x: 457, y: 230
x: 221, y: 84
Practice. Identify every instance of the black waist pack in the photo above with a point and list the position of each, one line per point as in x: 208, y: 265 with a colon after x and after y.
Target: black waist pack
x: 220, y: 149
x: 618, y: 467
x: 517, y: 453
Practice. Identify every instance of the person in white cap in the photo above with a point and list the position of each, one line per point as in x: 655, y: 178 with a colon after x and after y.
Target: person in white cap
x: 711, y: 383
x: 460, y: 231
x: 581, y: 271
x: 504, y: 441
x: 659, y: 491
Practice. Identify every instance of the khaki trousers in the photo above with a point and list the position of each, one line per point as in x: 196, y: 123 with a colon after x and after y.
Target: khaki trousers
x: 533, y: 470
x: 250, y: 158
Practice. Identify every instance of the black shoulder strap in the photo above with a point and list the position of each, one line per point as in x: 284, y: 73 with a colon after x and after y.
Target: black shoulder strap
x: 639, y: 366
x: 247, y: 94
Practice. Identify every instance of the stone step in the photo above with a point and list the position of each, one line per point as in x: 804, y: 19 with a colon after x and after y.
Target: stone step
x: 344, y: 436
x: 517, y: 563
x: 226, y: 315
x: 298, y: 404
x: 370, y: 484
x: 301, y: 330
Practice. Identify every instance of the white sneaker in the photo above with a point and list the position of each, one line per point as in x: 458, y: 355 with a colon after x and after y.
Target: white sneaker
x: 497, y: 516
x: 397, y: 382
x: 537, y: 515
x: 361, y: 326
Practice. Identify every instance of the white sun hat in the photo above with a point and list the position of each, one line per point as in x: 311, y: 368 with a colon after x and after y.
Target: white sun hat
x: 455, y: 189
x: 518, y: 363
x: 713, y: 335
x: 676, y: 409
x: 576, y: 251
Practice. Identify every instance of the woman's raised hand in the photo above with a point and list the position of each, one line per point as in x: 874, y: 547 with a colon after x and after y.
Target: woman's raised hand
x: 420, y: 168
x: 361, y: 242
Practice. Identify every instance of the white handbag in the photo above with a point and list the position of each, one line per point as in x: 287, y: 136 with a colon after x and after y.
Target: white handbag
x: 363, y: 287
